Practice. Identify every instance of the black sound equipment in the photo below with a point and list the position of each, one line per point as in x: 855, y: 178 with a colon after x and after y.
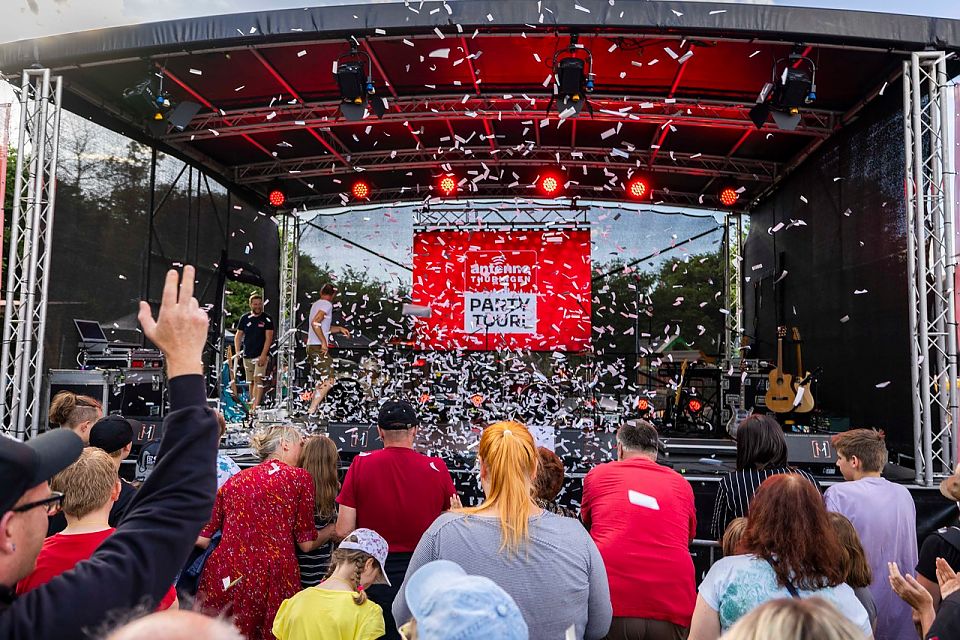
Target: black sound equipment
x: 354, y: 437
x: 812, y: 452
x: 138, y: 393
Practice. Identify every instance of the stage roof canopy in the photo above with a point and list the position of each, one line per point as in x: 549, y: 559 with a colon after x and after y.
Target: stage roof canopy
x: 467, y: 86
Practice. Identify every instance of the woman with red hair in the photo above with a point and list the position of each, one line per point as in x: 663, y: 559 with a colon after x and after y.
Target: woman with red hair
x: 789, y: 549
x: 547, y: 563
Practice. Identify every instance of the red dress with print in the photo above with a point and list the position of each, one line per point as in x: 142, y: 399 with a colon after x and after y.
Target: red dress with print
x: 263, y: 512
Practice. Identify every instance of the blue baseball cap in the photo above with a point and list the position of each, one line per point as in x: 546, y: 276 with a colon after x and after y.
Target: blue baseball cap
x: 451, y: 605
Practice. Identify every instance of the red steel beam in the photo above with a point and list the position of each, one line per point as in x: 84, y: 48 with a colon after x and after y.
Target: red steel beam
x: 276, y: 75
x: 473, y: 70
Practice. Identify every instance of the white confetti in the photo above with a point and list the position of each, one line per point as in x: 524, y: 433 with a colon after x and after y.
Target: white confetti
x: 883, y: 385
x: 196, y: 72
x: 440, y: 53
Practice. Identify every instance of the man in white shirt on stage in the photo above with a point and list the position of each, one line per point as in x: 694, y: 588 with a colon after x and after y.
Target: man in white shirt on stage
x: 319, y: 333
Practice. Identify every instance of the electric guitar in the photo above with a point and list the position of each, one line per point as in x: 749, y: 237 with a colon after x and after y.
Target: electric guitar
x: 802, y: 398
x: 738, y: 412
x: 780, y: 393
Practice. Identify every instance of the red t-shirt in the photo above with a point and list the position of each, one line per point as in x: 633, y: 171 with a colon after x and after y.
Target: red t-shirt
x: 398, y: 493
x: 642, y: 517
x: 60, y: 553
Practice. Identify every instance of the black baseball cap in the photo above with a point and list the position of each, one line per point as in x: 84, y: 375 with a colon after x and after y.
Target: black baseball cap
x: 24, y: 465
x: 397, y: 414
x: 112, y: 433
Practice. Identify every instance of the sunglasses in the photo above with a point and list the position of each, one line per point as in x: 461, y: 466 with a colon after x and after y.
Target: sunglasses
x: 53, y: 503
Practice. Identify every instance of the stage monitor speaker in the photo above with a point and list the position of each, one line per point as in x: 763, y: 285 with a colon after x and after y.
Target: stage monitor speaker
x: 354, y: 437
x: 139, y: 394
x: 812, y: 452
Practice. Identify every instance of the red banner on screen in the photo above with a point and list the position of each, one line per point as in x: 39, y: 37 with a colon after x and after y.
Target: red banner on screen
x: 503, y: 289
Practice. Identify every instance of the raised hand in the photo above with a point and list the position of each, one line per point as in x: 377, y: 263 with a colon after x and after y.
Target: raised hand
x: 180, y: 330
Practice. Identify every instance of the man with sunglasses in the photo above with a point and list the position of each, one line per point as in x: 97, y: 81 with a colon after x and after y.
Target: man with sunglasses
x: 138, y: 563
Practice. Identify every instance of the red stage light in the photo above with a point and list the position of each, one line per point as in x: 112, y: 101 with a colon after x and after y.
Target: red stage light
x: 476, y: 400
x: 550, y: 184
x: 637, y: 189
x: 360, y: 190
x: 729, y: 197
x: 447, y: 186
x: 643, y: 404
x: 276, y: 198
x: 694, y: 405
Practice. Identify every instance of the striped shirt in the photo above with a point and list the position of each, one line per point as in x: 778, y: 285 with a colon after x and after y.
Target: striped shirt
x: 313, y: 564
x: 736, y: 491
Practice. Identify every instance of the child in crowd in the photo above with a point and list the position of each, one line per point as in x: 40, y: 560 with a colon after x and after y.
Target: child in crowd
x: 732, y: 535
x: 338, y: 608
x: 90, y: 487
x: 885, y: 517
x: 855, y: 565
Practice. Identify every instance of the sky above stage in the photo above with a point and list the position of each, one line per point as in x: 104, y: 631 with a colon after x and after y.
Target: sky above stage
x: 35, y: 18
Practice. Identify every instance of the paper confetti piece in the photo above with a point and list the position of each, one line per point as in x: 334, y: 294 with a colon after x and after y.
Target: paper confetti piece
x: 883, y: 385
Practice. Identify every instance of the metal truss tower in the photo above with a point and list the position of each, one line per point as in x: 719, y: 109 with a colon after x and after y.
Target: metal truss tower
x: 287, y: 342
x: 931, y: 264
x: 28, y: 261
x: 733, y: 286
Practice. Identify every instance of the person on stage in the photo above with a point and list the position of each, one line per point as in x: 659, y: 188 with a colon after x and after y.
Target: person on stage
x: 319, y: 335
x: 252, y: 341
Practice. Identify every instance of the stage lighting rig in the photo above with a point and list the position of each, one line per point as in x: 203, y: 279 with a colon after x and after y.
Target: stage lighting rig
x: 276, y: 197
x: 361, y: 190
x: 637, y: 189
x: 729, y: 196
x: 573, y: 79
x: 550, y: 183
x: 793, y: 85
x: 153, y: 103
x: 447, y: 185
x: 354, y: 75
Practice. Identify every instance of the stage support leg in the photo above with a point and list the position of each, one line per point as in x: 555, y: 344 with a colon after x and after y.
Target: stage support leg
x: 733, y: 286
x: 287, y: 333
x: 931, y: 265
x: 31, y: 233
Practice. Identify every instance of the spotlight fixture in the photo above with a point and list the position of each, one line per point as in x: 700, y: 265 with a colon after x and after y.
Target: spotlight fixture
x: 694, y: 405
x: 793, y: 84
x: 277, y: 197
x: 361, y: 190
x: 643, y: 407
x: 729, y: 196
x: 153, y: 104
x: 637, y: 189
x: 550, y: 184
x: 573, y: 78
x: 353, y: 72
x: 447, y: 185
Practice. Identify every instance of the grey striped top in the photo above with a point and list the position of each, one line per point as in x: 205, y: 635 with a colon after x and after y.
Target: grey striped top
x: 557, y: 579
x: 736, y: 491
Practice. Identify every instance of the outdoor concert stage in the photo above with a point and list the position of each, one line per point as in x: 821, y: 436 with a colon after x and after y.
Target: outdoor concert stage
x: 505, y: 141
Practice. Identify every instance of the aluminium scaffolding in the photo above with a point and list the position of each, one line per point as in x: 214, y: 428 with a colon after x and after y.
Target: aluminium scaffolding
x: 287, y: 342
x: 931, y: 264
x: 28, y: 256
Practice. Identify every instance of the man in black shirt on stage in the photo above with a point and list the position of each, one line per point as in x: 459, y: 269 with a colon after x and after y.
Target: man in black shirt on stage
x: 252, y: 341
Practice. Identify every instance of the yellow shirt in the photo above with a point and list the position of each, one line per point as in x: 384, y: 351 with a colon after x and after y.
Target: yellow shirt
x: 323, y: 614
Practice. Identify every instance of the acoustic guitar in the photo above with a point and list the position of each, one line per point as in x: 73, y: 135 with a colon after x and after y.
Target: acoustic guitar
x: 802, y: 398
x: 780, y: 393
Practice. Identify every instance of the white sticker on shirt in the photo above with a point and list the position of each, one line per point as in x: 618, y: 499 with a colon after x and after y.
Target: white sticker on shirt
x: 274, y: 467
x: 643, y: 500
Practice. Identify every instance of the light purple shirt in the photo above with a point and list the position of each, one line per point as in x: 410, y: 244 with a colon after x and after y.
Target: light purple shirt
x: 885, y: 516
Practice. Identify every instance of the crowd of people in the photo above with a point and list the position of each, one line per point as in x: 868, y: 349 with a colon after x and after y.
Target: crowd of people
x: 285, y: 549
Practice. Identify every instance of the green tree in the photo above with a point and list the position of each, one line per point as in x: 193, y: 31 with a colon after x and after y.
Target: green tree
x: 688, y: 298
